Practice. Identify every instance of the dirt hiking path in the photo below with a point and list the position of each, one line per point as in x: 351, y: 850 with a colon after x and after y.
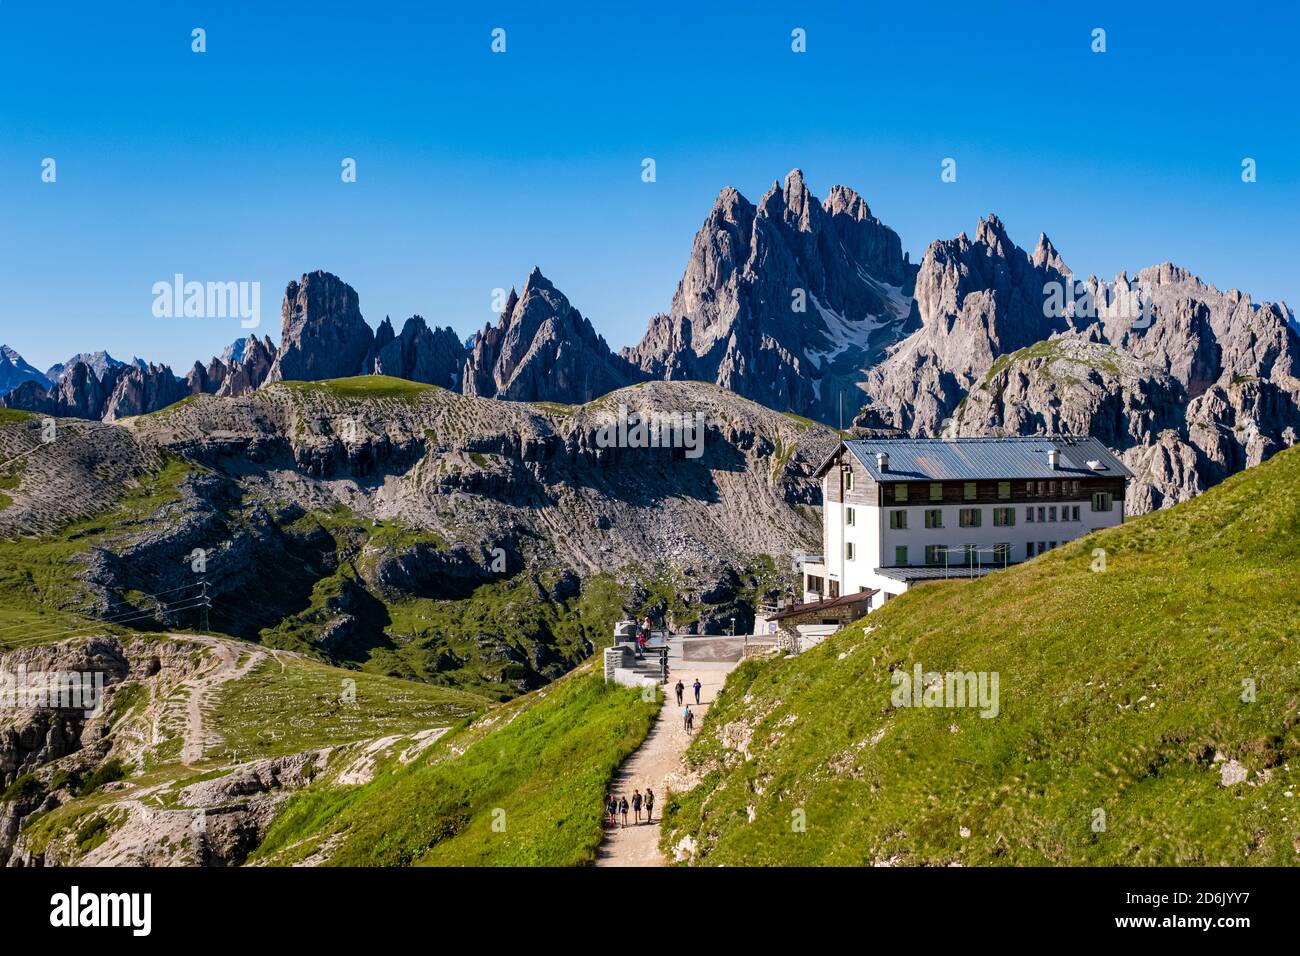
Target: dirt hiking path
x: 658, y: 759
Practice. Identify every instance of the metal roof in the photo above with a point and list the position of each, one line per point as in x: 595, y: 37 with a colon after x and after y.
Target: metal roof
x: 814, y: 607
x: 971, y: 459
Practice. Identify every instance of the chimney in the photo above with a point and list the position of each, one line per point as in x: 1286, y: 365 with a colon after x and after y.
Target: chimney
x: 882, y: 461
x: 1053, y: 459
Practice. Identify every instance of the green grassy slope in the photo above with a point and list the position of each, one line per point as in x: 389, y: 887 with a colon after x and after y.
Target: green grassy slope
x: 1121, y: 691
x: 284, y: 705
x: 288, y: 705
x: 521, y: 786
x: 41, y: 593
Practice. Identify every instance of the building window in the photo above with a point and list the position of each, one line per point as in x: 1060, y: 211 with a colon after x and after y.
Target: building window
x: 1042, y: 514
x: 1074, y: 512
x: 898, y: 520
x: 900, y: 556
x: 848, y: 479
x: 834, y: 589
x: 1051, y: 544
x: 934, y: 553
x: 968, y: 491
x: 1029, y: 515
x: 969, y: 518
x: 850, y: 551
x: 1004, y: 517
x: 1053, y: 488
x: 936, y: 491
x: 850, y: 516
x: 1051, y: 513
x: 1042, y: 547
x: 1002, y: 553
x: 933, y: 518
x: 900, y: 493
x: 1004, y: 490
x: 1102, y: 500
x: 815, y: 584
x: 1031, y: 488
x: 1029, y: 550
x: 972, y: 555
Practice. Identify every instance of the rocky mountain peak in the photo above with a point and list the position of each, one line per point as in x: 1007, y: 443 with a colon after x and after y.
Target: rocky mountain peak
x: 14, y: 371
x: 993, y: 234
x: 420, y: 354
x: 542, y: 348
x: 322, y: 333
x: 1045, y: 256
x: 783, y: 300
x: 843, y: 201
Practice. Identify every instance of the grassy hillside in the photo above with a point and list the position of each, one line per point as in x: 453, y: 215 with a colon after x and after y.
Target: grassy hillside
x: 521, y: 786
x: 1123, y: 692
x: 284, y: 705
x: 40, y: 588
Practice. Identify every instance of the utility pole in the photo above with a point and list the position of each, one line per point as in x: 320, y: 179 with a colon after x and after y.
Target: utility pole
x: 207, y: 603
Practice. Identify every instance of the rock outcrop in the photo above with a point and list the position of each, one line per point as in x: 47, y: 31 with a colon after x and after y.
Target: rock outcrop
x: 322, y: 333
x: 542, y: 349
x: 122, y: 391
x: 785, y: 301
x: 242, y: 367
x: 977, y: 299
x: 420, y: 354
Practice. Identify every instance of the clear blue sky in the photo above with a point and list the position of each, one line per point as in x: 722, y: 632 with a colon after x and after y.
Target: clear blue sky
x: 473, y: 167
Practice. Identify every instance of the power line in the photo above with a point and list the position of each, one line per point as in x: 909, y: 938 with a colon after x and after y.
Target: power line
x: 10, y: 627
x: 187, y: 605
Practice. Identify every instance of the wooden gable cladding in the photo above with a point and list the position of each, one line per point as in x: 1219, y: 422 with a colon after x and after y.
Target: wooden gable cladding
x: 866, y: 490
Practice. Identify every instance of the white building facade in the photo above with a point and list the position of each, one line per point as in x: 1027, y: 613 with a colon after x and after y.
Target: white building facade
x: 896, y: 512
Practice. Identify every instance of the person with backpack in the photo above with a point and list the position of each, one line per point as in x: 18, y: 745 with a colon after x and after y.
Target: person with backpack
x: 686, y: 718
x: 622, y: 808
x: 690, y: 720
x: 649, y: 805
x: 636, y: 805
x: 697, y: 686
x: 611, y: 808
x: 681, y: 689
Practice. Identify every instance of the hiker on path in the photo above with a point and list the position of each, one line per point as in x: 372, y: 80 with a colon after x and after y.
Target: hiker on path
x: 611, y: 807
x: 690, y: 720
x: 622, y: 808
x: 681, y: 689
x: 686, y: 718
x: 697, y: 686
x: 636, y: 805
x: 649, y: 805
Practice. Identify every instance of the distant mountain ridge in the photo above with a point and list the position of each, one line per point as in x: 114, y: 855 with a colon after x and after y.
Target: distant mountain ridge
x: 810, y: 306
x: 15, y: 370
